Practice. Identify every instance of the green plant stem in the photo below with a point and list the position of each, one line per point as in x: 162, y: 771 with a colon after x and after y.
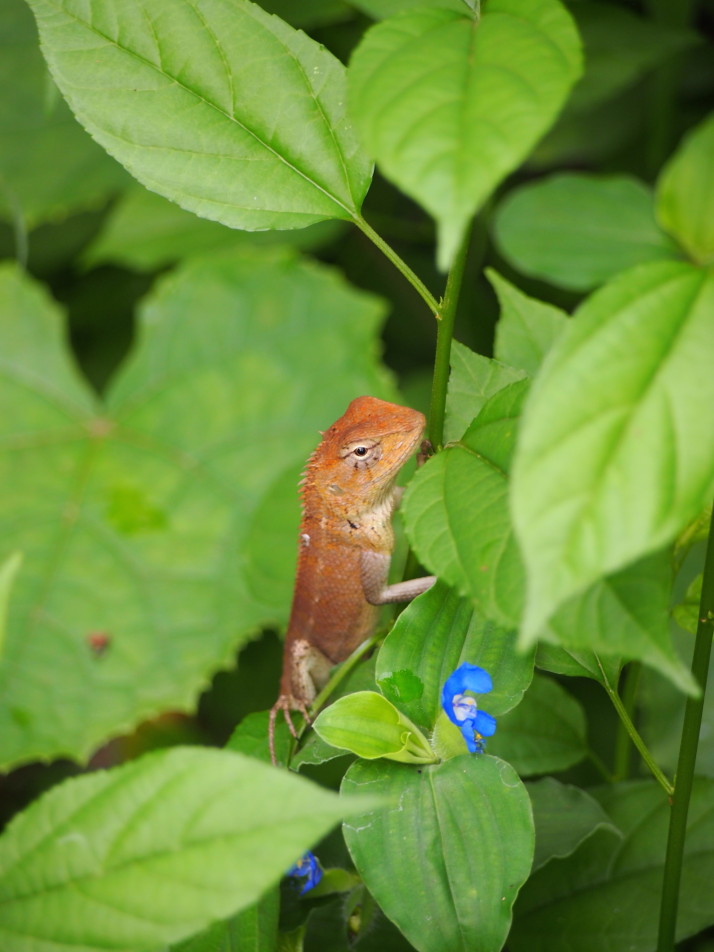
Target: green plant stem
x: 687, y: 757
x: 444, y: 336
x: 635, y: 736
x: 400, y: 265
x: 622, y: 741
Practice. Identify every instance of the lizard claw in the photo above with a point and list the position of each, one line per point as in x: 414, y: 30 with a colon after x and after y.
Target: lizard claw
x: 425, y: 451
x: 285, y: 703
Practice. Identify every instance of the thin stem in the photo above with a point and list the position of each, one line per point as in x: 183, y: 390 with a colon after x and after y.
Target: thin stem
x: 622, y: 741
x: 444, y: 336
x: 635, y: 736
x: 687, y: 757
x: 400, y: 265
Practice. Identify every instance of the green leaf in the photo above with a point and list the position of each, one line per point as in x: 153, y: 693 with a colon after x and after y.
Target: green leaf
x: 380, y: 9
x: 604, y: 475
x: 456, y: 511
x: 606, y: 895
x: 140, y: 519
x: 35, y: 124
x: 430, y: 639
x: 565, y: 816
x: 224, y: 109
x: 686, y: 612
x: 450, y: 102
x: 446, y: 865
x: 685, y: 196
x: 8, y: 570
x: 255, y: 929
x: 545, y: 733
x: 625, y: 616
x: 473, y: 379
x: 369, y: 725
x: 527, y: 328
x: 153, y: 851
x: 578, y: 664
x: 144, y: 232
x: 578, y: 231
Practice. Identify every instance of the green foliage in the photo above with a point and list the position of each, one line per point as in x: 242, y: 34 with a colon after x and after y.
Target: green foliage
x: 584, y: 504
x: 154, y: 498
x: 448, y: 831
x: 247, y: 157
x: 564, y: 902
x: 448, y: 135
x: 153, y: 851
x: 149, y: 529
x: 578, y: 231
x: 35, y: 124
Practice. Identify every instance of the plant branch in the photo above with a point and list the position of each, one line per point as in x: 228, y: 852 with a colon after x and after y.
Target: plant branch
x: 687, y: 757
x: 400, y: 265
x: 634, y: 735
x: 444, y: 336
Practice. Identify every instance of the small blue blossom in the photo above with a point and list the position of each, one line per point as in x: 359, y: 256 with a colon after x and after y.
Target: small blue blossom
x: 462, y: 709
x: 307, y: 868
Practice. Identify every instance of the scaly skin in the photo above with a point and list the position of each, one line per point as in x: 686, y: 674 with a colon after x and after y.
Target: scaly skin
x: 345, y: 546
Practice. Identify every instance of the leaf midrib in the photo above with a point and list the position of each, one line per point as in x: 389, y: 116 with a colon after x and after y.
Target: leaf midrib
x: 352, y: 213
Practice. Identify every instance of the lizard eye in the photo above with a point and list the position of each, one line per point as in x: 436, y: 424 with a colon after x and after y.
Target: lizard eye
x: 361, y: 453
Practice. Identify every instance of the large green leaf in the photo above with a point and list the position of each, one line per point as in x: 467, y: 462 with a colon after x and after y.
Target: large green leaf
x: 449, y: 101
x: 446, y: 864
x: 625, y: 616
x: 147, y: 853
x: 578, y: 231
x: 616, y: 452
x: 472, y: 380
x: 48, y: 165
x: 606, y: 895
x: 8, y: 571
x: 254, y: 929
x: 220, y: 107
x: 526, y: 329
x: 545, y: 733
x: 685, y: 196
x: 144, y: 231
x: 140, y: 520
x: 456, y: 511
x: 565, y: 816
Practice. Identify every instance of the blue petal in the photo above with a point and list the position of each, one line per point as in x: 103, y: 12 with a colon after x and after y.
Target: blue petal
x: 484, y: 724
x: 467, y: 677
x: 309, y: 869
x: 471, y: 742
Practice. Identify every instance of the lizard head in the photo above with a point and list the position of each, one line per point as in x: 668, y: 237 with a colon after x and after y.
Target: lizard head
x: 362, y: 452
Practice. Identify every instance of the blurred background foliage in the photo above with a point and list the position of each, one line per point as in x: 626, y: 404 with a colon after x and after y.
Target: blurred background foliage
x: 77, y: 221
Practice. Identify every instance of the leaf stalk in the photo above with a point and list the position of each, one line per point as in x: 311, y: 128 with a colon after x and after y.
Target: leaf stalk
x: 400, y: 265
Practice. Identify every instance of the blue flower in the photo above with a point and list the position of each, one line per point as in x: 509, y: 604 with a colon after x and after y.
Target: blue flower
x: 462, y: 709
x: 307, y: 868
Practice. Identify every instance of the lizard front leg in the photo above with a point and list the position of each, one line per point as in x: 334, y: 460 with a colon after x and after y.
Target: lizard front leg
x: 374, y: 569
x: 305, y: 670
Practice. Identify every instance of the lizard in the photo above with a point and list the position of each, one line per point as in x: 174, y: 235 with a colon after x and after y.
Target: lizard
x: 345, y: 544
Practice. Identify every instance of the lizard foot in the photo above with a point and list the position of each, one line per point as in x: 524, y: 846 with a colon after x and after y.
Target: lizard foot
x: 285, y: 703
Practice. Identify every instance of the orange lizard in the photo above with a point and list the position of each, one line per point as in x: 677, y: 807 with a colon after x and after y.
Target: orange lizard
x: 345, y: 546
